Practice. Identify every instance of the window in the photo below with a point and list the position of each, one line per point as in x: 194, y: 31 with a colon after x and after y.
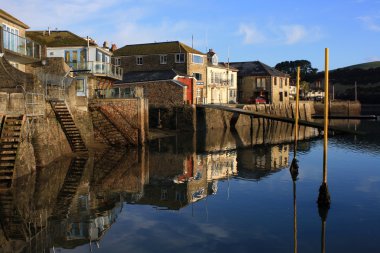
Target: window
x: 212, y: 77
x: 198, y: 59
x: 163, y: 59
x: 74, y: 57
x: 81, y: 87
x: 139, y: 60
x: 217, y: 77
x: 11, y: 39
x: 232, y: 80
x: 179, y: 58
x: 260, y: 83
x: 198, y: 76
x: 117, y: 61
x: 198, y: 93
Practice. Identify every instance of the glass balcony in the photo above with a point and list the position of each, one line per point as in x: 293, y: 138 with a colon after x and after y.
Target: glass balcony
x: 98, y: 69
x: 20, y: 45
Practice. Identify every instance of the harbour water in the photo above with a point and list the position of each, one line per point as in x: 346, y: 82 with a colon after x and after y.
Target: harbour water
x: 214, y: 192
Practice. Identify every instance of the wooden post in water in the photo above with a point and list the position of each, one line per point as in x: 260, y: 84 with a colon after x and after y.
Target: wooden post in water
x: 294, y: 164
x: 324, y: 195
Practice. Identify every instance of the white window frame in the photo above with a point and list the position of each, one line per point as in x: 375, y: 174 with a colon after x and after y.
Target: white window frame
x: 139, y: 60
x: 11, y: 38
x: 117, y: 61
x: 199, y: 93
x: 83, y: 91
x: 178, y: 58
x: 163, y: 59
x: 198, y: 55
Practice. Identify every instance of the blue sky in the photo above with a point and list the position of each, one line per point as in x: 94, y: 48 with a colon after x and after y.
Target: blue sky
x: 270, y: 31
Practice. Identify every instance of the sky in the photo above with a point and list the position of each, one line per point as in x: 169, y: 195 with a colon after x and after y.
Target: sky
x: 270, y: 31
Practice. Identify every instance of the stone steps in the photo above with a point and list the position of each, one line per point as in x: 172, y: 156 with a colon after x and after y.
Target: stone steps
x: 9, y: 143
x: 68, y: 126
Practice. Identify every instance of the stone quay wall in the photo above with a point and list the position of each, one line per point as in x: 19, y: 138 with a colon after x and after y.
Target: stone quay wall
x: 130, y: 116
x: 340, y: 108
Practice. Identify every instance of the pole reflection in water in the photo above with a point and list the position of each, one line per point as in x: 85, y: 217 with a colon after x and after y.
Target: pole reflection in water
x: 294, y: 165
x: 324, y: 195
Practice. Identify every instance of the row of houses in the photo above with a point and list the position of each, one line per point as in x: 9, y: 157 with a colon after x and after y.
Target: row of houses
x: 169, y: 72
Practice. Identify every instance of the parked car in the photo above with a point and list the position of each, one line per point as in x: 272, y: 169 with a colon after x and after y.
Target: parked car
x: 260, y: 100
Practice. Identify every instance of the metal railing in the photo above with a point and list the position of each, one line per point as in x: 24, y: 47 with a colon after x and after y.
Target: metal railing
x: 98, y: 68
x: 34, y: 104
x: 20, y: 45
x: 119, y: 93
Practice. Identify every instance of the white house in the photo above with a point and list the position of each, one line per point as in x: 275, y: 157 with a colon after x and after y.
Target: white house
x: 221, y: 83
x: 90, y: 63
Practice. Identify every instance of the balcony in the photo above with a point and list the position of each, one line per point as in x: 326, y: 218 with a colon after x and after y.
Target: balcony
x: 19, y: 49
x: 97, y: 68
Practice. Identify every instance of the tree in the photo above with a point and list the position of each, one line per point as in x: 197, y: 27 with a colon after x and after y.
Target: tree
x: 290, y: 68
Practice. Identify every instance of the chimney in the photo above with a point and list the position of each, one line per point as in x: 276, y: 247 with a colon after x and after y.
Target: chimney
x: 113, y: 47
x: 105, y: 44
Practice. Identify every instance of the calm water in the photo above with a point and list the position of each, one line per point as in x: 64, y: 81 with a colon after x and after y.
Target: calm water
x: 215, y: 192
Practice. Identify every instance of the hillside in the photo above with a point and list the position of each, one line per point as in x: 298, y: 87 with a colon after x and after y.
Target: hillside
x: 365, y: 75
x: 365, y: 66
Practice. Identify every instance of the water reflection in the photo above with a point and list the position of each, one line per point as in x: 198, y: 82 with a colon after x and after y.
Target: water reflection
x: 76, y: 202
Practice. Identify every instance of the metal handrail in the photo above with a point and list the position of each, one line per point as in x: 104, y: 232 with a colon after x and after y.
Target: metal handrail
x: 20, y: 45
x: 98, y: 67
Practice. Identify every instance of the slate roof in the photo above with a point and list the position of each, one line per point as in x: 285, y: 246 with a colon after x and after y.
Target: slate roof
x: 155, y: 48
x: 256, y: 68
x: 147, y: 76
x: 10, y: 18
x: 58, y: 38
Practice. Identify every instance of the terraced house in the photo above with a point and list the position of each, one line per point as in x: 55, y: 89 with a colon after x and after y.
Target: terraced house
x: 163, y: 56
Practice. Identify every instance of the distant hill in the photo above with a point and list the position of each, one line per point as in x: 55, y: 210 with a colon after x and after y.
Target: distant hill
x: 366, y: 75
x: 365, y: 66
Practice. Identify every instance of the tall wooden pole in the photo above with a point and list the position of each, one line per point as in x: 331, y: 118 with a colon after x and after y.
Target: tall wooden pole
x: 324, y: 195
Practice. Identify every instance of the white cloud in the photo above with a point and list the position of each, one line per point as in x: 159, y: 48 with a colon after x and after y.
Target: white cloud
x: 251, y: 34
x: 279, y: 34
x: 293, y: 33
x: 371, y: 22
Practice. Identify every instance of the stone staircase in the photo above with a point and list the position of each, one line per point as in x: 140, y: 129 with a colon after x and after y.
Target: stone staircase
x: 14, y: 227
x: 9, y: 142
x: 69, y: 188
x: 68, y: 126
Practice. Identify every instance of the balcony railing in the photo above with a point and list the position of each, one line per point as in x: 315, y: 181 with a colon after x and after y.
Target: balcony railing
x: 20, y: 45
x: 120, y: 93
x: 98, y: 68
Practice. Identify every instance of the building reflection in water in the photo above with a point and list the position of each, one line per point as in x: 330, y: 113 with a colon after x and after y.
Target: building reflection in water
x: 75, y: 202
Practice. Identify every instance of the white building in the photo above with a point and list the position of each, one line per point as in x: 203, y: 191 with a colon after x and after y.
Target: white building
x: 90, y: 63
x: 221, y: 83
